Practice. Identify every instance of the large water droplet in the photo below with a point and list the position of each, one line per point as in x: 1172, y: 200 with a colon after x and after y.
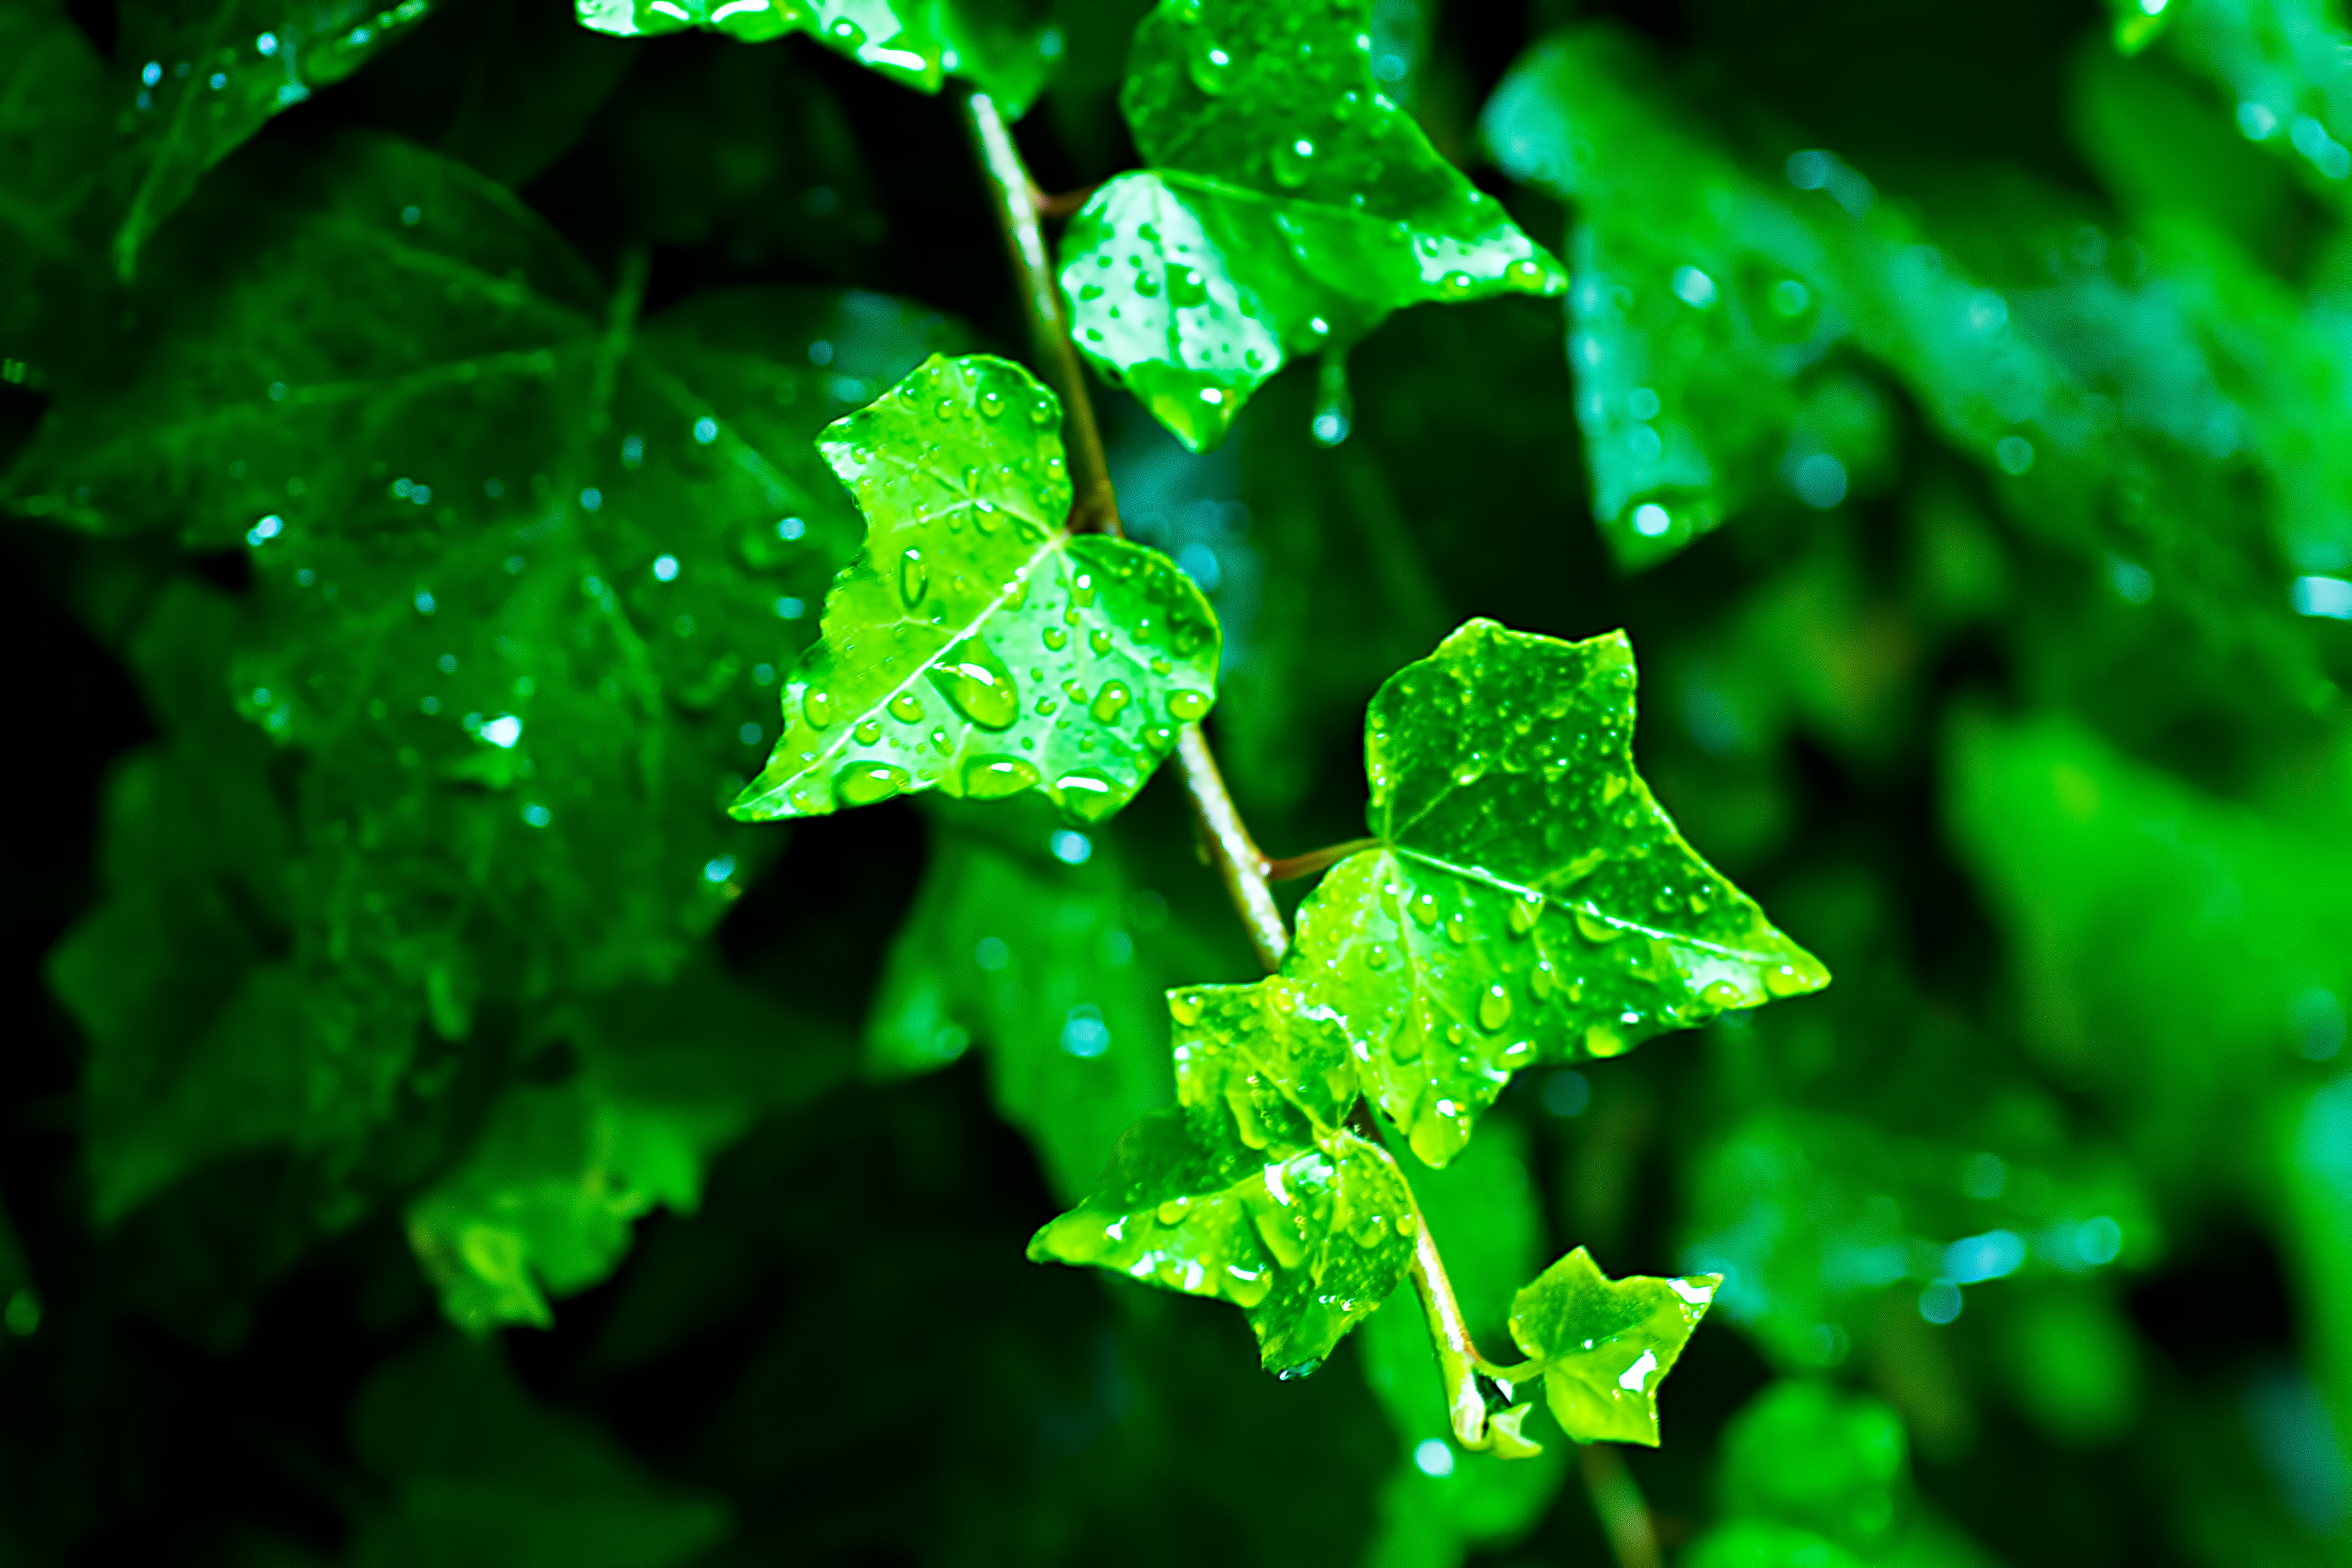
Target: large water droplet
x: 994, y: 778
x: 977, y: 685
x: 913, y: 578
x: 1186, y: 706
x: 869, y: 732
x: 906, y: 708
x: 1184, y: 1006
x: 1086, y: 795
x: 1187, y: 289
x: 1525, y: 910
x: 1209, y: 63
x: 816, y: 705
x: 863, y: 784
x: 1111, y: 701
x: 1494, y: 1008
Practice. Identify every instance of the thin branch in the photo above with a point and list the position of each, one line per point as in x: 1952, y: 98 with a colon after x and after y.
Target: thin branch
x: 1296, y: 866
x: 1240, y: 864
x: 1095, y: 506
x: 1624, y: 1516
x: 1239, y: 861
x: 1063, y: 204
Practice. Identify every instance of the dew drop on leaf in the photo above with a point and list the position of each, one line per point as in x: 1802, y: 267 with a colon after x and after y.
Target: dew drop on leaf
x: 864, y: 783
x: 994, y: 778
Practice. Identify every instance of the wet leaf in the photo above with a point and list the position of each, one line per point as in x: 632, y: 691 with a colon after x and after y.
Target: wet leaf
x: 544, y: 1205
x: 1022, y: 944
x: 1287, y: 206
x: 1605, y: 1345
x: 196, y: 78
x: 1006, y: 48
x: 1529, y: 900
x: 1251, y: 1190
x: 521, y: 572
x: 975, y: 648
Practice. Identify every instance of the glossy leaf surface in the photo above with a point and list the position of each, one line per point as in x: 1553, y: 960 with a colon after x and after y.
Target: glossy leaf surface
x: 1605, y: 1345
x: 1288, y: 206
x: 975, y: 648
x: 1007, y: 47
x: 1529, y: 901
x: 1250, y: 1190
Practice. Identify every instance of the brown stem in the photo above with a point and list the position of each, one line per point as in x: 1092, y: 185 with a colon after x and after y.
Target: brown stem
x: 1624, y: 1516
x: 1063, y: 204
x: 1240, y: 864
x: 1296, y: 866
x: 1095, y: 506
x: 1239, y: 861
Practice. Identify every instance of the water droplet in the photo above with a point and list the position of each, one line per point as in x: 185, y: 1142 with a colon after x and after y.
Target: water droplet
x: 1172, y: 1211
x: 1040, y: 412
x: 1186, y: 706
x: 1082, y: 590
x: 906, y: 708
x: 1595, y: 929
x: 1209, y: 66
x: 1525, y: 910
x: 1086, y: 796
x: 1292, y: 162
x: 1099, y: 640
x: 1187, y: 289
x: 1110, y: 701
x: 1056, y: 639
x: 1335, y: 402
x: 1160, y: 739
x: 913, y: 578
x: 992, y: 403
x: 1787, y: 980
x: 1377, y: 956
x: 816, y: 705
x: 1494, y: 1008
x: 994, y: 778
x: 863, y: 784
x: 1541, y: 979
x: 1424, y: 908
x: 1184, y: 1006
x: 869, y: 732
x: 977, y: 685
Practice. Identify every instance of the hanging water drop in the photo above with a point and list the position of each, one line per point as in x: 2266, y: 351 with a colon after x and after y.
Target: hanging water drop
x: 913, y: 578
x: 1335, y: 402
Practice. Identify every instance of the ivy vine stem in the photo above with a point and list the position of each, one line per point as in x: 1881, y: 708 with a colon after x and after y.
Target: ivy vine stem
x: 1240, y: 864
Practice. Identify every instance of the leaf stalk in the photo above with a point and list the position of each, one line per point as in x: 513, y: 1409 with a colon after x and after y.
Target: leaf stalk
x: 1296, y: 866
x: 1240, y: 864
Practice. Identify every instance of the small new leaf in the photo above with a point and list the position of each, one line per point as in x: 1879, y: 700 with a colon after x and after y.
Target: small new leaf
x: 1529, y: 900
x: 1289, y: 206
x: 1007, y: 47
x: 1605, y: 1345
x: 976, y: 647
x: 1249, y: 1191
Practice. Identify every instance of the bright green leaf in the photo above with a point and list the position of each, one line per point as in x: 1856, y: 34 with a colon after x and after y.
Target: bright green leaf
x: 1529, y: 900
x: 1287, y: 206
x: 1006, y: 47
x: 975, y: 648
x: 1250, y: 1191
x: 1605, y: 1345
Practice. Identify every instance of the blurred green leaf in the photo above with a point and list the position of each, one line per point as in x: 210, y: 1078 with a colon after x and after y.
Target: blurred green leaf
x: 1605, y: 1345
x: 1529, y: 901
x: 196, y: 79
x: 480, y: 1473
x: 1022, y: 941
x: 1287, y: 206
x: 967, y: 578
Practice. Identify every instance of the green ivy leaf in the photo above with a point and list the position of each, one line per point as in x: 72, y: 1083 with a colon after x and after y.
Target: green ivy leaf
x: 524, y: 574
x: 1007, y: 47
x: 1287, y: 206
x: 667, y: 1076
x: 1605, y: 1345
x: 1529, y: 900
x: 1251, y: 1190
x: 195, y: 79
x: 1022, y: 941
x: 976, y: 647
